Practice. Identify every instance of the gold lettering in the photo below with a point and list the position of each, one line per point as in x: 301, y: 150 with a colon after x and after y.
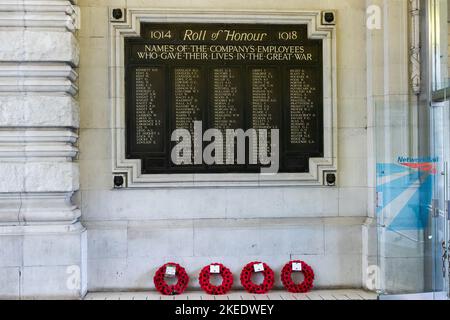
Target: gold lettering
x: 187, y: 35
x: 159, y: 48
x: 233, y: 35
x: 194, y: 35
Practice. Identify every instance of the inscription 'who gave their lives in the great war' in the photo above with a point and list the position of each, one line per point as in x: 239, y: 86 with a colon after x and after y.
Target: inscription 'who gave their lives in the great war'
x: 227, y: 77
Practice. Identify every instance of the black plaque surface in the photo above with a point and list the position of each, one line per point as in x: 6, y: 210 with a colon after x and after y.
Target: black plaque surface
x: 236, y: 76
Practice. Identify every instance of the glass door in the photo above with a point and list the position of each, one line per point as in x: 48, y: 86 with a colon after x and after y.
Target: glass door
x: 412, y: 185
x: 437, y: 233
x: 440, y: 141
x: 413, y: 201
x: 403, y: 195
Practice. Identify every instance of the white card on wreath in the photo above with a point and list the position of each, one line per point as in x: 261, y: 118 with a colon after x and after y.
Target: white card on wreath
x: 296, y: 266
x: 259, y: 267
x: 171, y: 271
x: 214, y: 269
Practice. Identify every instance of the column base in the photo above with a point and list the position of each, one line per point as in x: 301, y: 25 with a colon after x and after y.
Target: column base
x: 43, y: 262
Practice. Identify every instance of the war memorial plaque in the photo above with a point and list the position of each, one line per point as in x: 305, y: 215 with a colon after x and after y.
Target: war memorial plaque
x: 228, y: 76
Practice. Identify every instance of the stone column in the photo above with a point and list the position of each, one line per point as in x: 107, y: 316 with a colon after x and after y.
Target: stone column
x: 42, y: 242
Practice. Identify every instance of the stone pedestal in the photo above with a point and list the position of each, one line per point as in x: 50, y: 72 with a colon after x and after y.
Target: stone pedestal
x: 42, y: 243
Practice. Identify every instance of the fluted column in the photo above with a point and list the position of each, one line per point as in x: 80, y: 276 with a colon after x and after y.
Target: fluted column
x: 42, y: 243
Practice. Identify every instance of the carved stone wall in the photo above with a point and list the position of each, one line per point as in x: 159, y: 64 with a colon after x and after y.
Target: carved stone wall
x: 132, y: 231
x: 42, y: 243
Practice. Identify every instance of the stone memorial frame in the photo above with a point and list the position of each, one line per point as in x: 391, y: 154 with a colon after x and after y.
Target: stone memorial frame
x: 130, y: 169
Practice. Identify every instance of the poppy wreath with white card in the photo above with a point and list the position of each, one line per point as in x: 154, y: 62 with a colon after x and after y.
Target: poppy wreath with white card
x: 171, y: 270
x: 205, y: 279
x: 297, y: 266
x: 246, y: 278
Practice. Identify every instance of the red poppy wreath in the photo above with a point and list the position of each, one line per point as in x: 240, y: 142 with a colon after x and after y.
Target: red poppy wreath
x: 175, y: 289
x: 251, y: 287
x: 205, y: 277
x: 290, y: 285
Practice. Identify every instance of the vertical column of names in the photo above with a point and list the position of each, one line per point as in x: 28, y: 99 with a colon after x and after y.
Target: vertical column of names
x: 149, y: 112
x: 265, y: 102
x: 187, y: 101
x: 302, y: 111
x: 226, y: 103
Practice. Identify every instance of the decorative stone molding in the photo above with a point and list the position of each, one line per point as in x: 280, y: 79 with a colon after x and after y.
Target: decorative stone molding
x: 37, y: 89
x: 36, y: 19
x: 131, y: 169
x: 38, y: 144
x: 39, y: 118
x: 38, y: 14
x: 38, y: 78
x: 42, y: 208
x: 43, y: 6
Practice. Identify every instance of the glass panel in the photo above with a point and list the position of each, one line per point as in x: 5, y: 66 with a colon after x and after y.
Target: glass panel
x: 440, y: 147
x: 437, y: 250
x: 439, y: 25
x: 413, y: 177
x: 404, y: 192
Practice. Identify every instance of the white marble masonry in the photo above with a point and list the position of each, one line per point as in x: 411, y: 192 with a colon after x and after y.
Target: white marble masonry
x: 64, y: 230
x: 42, y: 244
x: 133, y: 231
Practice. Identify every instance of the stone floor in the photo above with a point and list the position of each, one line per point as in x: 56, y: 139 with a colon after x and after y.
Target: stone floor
x: 350, y: 294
